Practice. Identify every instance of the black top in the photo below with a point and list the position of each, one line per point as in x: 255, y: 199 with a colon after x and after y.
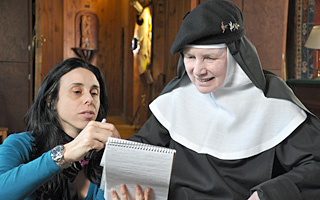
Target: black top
x: 290, y: 171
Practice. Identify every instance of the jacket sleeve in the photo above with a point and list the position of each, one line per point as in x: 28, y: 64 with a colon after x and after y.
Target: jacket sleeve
x: 19, y: 178
x: 299, y: 155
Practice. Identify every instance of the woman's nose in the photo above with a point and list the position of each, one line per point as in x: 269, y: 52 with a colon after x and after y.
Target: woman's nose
x: 88, y: 98
x: 199, y: 68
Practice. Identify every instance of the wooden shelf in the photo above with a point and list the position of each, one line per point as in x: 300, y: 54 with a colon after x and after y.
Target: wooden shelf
x: 85, y: 53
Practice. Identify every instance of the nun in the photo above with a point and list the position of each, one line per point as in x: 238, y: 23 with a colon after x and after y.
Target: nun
x: 239, y: 131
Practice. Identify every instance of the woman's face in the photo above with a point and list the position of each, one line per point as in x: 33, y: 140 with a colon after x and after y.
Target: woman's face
x: 78, y: 100
x: 206, y: 67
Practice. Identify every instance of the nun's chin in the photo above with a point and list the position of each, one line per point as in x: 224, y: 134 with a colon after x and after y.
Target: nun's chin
x: 206, y: 90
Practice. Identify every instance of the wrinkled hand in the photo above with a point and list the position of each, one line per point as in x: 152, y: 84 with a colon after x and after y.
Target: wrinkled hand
x: 254, y: 196
x: 124, y: 194
x: 93, y: 136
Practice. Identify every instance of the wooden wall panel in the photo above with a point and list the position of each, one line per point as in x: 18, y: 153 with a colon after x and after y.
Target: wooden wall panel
x: 167, y: 18
x: 15, y: 63
x: 49, y: 38
x: 160, y: 48
x: 129, y: 14
x: 110, y: 58
x: 174, y: 12
x: 14, y: 29
x: 52, y: 35
x: 14, y: 95
x: 238, y: 3
x: 266, y: 26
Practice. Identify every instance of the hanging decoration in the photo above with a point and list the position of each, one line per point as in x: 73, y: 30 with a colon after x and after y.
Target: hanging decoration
x: 142, y: 40
x: 87, y: 32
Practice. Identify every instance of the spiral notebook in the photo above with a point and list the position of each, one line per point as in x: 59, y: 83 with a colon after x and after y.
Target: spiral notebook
x: 132, y: 163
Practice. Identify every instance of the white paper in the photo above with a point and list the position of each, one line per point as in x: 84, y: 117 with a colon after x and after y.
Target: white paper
x: 133, y: 163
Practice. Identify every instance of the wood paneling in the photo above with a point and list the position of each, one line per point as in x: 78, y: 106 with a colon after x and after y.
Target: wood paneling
x: 15, y: 63
x: 238, y: 3
x: 160, y: 47
x: 14, y: 95
x: 266, y: 28
x: 110, y: 57
x: 129, y: 14
x: 49, y: 38
x: 14, y: 30
x: 175, y: 10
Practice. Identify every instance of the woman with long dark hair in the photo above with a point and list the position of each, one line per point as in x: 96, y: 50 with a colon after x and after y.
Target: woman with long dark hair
x: 50, y: 160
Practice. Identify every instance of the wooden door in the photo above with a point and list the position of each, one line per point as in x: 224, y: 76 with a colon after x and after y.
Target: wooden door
x: 49, y: 37
x: 15, y: 63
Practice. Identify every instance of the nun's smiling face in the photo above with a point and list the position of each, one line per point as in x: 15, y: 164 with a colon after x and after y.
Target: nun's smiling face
x: 206, y: 67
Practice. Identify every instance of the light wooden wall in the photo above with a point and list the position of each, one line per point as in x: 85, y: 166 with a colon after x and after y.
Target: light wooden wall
x: 167, y: 20
x: 116, y: 26
x: 48, y: 38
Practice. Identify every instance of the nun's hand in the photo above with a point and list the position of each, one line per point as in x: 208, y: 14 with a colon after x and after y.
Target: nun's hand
x: 254, y: 196
x: 124, y: 194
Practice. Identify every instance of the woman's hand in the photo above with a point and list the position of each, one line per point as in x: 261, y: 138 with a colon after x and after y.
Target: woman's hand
x: 254, y: 196
x: 93, y: 136
x: 138, y: 193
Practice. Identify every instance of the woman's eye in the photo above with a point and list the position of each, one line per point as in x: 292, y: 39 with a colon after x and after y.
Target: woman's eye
x: 77, y: 91
x: 94, y: 93
x: 210, y: 58
x: 189, y: 57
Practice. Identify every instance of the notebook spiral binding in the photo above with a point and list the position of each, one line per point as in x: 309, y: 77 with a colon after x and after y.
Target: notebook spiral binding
x: 138, y: 146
